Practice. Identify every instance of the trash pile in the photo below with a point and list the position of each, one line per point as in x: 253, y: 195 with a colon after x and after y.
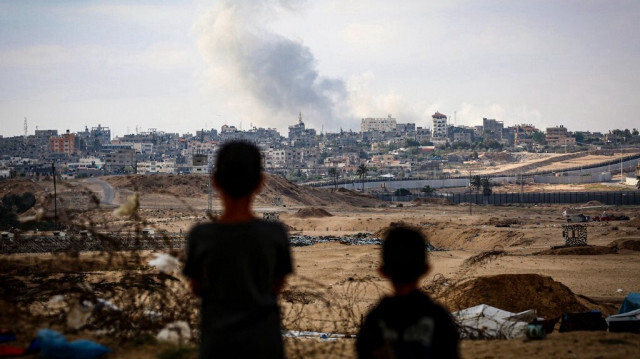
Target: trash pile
x: 358, y: 239
x: 487, y: 322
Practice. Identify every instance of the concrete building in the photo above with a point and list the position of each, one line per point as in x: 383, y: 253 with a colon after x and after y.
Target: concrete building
x: 439, y: 127
x: 492, y: 129
x: 63, y: 144
x: 559, y: 136
x: 145, y: 167
x: 120, y: 160
x: 378, y: 124
x: 406, y: 127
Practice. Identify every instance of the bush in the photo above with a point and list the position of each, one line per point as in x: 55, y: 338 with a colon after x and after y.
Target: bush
x: 402, y: 192
x: 19, y: 203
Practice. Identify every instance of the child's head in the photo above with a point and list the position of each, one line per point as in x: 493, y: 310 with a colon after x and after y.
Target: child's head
x: 238, y: 171
x: 403, y: 255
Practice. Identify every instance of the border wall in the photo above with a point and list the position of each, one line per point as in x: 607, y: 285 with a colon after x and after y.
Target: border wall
x: 618, y: 198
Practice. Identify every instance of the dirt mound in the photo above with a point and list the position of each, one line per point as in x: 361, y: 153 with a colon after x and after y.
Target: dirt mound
x: 632, y: 244
x: 176, y: 185
x: 22, y: 186
x: 515, y: 293
x: 502, y: 222
x: 594, y: 203
x: 419, y: 201
x: 292, y: 194
x: 194, y: 186
x: 580, y: 250
x: 313, y: 212
x: 382, y: 232
x: 634, y: 222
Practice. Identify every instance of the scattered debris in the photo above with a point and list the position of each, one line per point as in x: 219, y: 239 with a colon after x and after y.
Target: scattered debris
x: 176, y: 333
x: 487, y: 322
x: 165, y: 263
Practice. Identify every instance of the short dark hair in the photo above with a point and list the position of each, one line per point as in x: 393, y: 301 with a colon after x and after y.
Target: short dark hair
x: 238, y: 168
x: 404, y: 257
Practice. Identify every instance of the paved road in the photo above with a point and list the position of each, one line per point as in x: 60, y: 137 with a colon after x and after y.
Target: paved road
x: 108, y: 193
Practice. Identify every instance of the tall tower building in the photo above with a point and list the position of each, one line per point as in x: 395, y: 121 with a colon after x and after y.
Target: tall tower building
x: 439, y: 128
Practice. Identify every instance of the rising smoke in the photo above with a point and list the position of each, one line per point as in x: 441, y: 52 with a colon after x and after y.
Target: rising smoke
x: 265, y: 75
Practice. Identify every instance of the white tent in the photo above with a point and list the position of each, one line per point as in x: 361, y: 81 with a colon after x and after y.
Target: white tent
x: 484, y: 321
x: 625, y: 322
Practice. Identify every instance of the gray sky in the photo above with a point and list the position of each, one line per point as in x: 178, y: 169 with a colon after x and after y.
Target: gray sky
x: 180, y: 66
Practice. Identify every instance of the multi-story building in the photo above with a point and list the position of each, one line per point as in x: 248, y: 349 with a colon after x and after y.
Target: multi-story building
x: 523, y: 134
x: 378, y: 124
x: 300, y: 136
x: 406, y: 127
x: 63, y: 144
x: 43, y: 136
x: 167, y: 166
x: 439, y: 127
x: 559, y: 136
x: 121, y: 160
x: 492, y: 129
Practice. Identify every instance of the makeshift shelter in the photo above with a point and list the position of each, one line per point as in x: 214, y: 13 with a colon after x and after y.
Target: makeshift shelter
x: 487, y: 322
x: 626, y: 322
x: 630, y: 303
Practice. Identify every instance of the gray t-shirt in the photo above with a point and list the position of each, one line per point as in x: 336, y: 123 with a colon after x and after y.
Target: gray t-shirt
x: 237, y: 266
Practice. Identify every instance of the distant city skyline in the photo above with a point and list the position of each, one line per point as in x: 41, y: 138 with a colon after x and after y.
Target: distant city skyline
x: 185, y: 67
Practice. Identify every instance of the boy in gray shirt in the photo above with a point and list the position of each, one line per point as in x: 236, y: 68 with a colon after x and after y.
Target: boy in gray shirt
x: 238, y: 264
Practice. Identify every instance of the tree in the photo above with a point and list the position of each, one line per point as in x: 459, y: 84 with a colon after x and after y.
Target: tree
x: 539, y: 138
x: 402, y: 192
x: 476, y: 183
x: 427, y: 190
x: 486, y: 186
x: 333, y: 173
x: 362, y: 173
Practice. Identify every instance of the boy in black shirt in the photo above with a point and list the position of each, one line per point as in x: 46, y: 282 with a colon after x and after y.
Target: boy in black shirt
x: 408, y: 324
x: 238, y: 265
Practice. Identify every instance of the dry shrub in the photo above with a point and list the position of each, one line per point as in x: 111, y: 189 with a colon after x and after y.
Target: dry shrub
x: 485, y: 257
x: 579, y: 250
x: 310, y: 212
x: 631, y: 244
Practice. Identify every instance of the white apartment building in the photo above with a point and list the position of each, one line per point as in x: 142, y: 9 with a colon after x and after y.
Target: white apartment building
x: 146, y: 167
x: 439, y: 128
x: 378, y: 124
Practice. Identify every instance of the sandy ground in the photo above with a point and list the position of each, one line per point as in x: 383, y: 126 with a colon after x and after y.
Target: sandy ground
x: 346, y: 276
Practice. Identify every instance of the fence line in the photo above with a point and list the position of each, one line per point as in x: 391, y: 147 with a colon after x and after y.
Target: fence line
x: 616, y: 198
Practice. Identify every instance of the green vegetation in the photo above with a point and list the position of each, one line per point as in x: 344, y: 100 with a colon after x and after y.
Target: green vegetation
x: 401, y: 192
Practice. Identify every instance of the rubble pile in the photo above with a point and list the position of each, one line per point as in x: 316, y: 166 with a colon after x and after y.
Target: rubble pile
x: 358, y: 239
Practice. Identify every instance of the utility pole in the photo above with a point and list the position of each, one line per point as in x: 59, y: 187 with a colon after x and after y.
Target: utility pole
x: 621, y: 179
x: 470, y: 205
x: 55, y: 197
x: 521, y: 189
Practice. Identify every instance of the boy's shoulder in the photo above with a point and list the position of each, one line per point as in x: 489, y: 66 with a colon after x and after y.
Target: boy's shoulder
x: 257, y: 225
x: 415, y: 303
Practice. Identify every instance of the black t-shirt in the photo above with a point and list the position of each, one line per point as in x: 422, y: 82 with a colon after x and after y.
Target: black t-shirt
x: 237, y: 266
x: 410, y: 326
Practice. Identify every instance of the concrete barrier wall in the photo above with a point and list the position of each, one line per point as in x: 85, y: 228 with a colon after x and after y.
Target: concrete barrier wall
x: 409, y: 184
x: 572, y: 179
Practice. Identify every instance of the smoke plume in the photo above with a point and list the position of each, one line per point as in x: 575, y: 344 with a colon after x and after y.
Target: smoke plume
x: 263, y: 75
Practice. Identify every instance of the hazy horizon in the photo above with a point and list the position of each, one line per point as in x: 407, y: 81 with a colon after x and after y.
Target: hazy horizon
x: 185, y: 67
